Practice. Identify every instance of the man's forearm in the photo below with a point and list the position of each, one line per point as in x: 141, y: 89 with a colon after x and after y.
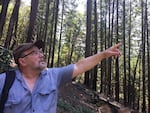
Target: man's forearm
x: 87, y: 63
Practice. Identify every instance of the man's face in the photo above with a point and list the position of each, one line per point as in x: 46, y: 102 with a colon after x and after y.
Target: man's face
x: 34, y: 59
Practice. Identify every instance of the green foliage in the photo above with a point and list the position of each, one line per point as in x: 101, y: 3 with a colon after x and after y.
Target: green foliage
x: 65, y: 106
x: 74, y: 36
x: 22, y: 23
x: 5, y: 59
x: 68, y: 107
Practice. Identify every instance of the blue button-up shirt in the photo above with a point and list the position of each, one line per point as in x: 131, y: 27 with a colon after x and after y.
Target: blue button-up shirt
x: 43, y: 98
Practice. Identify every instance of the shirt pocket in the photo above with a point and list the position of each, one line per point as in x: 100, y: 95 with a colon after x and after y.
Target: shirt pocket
x: 48, y: 97
x: 12, y: 103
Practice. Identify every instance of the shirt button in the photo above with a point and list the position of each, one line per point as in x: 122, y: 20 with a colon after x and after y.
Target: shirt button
x: 33, y: 110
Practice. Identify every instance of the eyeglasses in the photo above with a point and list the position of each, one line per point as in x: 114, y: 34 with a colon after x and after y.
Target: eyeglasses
x: 33, y: 53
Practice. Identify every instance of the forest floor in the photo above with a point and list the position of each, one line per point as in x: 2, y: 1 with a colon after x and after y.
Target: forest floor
x: 76, y: 98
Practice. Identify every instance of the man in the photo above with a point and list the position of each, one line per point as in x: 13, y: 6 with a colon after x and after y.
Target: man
x: 36, y: 87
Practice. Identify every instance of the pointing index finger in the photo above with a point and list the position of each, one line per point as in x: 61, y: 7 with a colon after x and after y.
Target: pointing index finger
x: 117, y: 45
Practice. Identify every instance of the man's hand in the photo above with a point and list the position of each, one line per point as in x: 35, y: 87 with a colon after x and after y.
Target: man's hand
x: 113, y: 51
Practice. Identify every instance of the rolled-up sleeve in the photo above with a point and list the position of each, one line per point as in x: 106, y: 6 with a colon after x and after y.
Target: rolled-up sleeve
x: 62, y: 75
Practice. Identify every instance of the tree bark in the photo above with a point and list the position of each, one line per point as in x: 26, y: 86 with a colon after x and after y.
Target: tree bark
x: 3, y: 15
x: 88, y: 38
x: 12, y: 24
x: 34, y: 7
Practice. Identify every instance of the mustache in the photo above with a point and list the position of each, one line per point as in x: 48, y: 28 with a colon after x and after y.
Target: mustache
x: 43, y: 60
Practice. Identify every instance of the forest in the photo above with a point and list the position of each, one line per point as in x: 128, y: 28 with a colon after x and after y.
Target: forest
x: 74, y: 29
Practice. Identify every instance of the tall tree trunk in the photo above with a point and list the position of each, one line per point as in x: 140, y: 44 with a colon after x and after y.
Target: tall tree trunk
x: 139, y: 85
x: 72, y: 44
x: 13, y: 20
x: 50, y: 39
x: 130, y: 90
x: 3, y: 15
x: 143, y: 60
x: 134, y: 77
x: 117, y: 85
x: 88, y: 37
x: 109, y: 44
x: 101, y: 42
x: 46, y: 20
x: 95, y: 45
x: 15, y: 35
x: 105, y: 45
x: 148, y: 54
x: 60, y: 35
x: 55, y: 30
x: 124, y: 56
x: 34, y: 7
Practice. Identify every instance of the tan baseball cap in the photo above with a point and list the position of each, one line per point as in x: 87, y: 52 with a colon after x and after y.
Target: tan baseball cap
x: 17, y: 52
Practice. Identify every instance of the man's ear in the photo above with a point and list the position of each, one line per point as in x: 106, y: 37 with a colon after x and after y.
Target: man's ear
x: 22, y: 61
